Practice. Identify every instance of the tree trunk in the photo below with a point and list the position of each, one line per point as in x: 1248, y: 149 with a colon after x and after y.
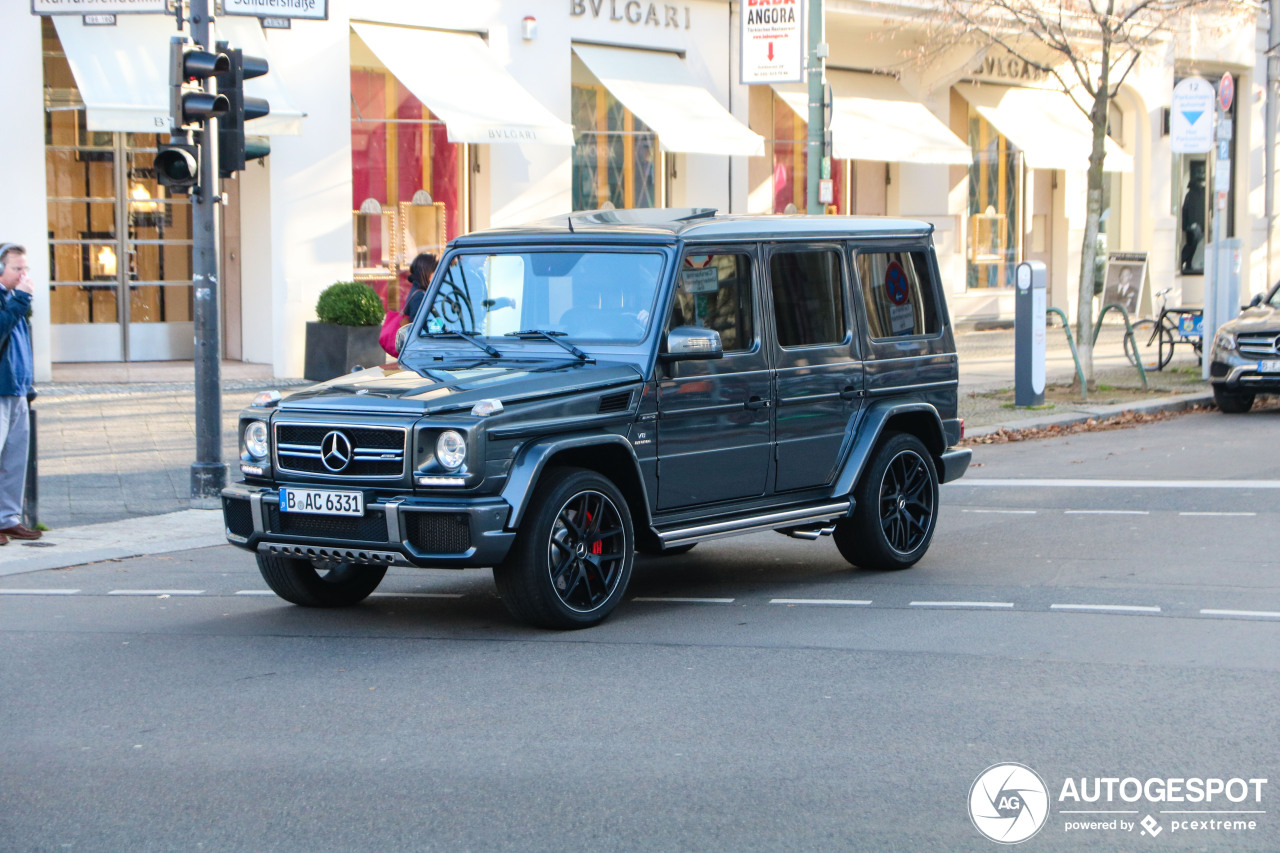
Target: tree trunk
x: 1093, y: 215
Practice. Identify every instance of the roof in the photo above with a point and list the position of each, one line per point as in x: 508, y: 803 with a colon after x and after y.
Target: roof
x: 701, y: 224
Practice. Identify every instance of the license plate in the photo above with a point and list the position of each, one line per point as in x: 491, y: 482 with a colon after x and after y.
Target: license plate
x: 321, y: 502
x: 1272, y: 366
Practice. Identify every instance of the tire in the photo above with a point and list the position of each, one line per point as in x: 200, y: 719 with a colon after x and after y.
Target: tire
x: 673, y: 551
x: 1155, y: 350
x: 1231, y: 403
x: 299, y: 581
x: 896, y: 507
x: 560, y: 572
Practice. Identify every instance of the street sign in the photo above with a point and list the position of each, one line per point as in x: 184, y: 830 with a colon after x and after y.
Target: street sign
x: 312, y: 10
x: 772, y: 41
x: 97, y: 7
x: 1191, y: 117
x: 1226, y: 91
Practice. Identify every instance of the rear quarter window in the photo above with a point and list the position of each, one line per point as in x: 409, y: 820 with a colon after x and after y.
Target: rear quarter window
x: 899, y: 293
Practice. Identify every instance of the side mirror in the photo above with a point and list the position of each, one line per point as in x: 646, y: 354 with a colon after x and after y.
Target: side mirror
x: 1255, y: 301
x: 402, y: 337
x: 691, y: 342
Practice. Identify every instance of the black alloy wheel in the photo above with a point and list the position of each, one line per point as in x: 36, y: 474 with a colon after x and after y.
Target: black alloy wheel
x: 573, y: 556
x: 896, y: 507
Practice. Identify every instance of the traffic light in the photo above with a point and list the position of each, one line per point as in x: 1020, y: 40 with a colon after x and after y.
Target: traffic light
x: 191, y: 105
x: 177, y: 165
x: 234, y: 148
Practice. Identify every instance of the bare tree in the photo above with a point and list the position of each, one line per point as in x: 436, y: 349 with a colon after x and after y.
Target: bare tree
x: 1088, y: 47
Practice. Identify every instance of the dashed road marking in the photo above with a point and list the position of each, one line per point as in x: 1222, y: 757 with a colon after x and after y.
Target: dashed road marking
x: 829, y: 602
x: 38, y: 591
x: 1107, y: 608
x: 416, y: 595
x: 1115, y: 484
x: 1252, y: 614
x: 1225, y: 514
x: 965, y: 604
x: 1106, y: 512
x: 653, y: 600
x: 1002, y: 511
x: 155, y: 592
x: 254, y: 592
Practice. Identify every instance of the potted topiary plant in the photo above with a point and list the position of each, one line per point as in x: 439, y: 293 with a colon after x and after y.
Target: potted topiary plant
x: 345, y: 335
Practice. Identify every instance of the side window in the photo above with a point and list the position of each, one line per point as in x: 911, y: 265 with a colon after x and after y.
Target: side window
x: 808, y: 299
x: 898, y: 290
x: 714, y: 292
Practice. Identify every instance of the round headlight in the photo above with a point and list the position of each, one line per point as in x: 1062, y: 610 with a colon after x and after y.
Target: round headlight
x: 451, y: 449
x: 255, y: 439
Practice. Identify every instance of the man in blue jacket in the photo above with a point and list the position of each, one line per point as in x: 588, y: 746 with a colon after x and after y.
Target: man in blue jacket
x: 16, y: 379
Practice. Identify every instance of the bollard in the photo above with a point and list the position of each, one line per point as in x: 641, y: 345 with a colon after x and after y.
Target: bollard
x: 31, y: 491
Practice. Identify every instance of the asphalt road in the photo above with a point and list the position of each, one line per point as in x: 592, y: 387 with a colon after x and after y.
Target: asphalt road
x: 755, y: 694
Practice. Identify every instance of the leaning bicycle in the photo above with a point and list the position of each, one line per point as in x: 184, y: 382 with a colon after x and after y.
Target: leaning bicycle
x: 1153, y: 340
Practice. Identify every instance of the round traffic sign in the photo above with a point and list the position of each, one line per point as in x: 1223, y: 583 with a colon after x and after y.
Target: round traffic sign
x: 896, y: 284
x: 1226, y: 91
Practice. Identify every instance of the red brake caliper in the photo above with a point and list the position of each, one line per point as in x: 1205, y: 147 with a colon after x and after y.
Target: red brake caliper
x: 597, y: 547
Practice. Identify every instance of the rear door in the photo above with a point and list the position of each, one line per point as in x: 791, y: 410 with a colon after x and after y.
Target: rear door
x: 715, y: 425
x: 819, y: 372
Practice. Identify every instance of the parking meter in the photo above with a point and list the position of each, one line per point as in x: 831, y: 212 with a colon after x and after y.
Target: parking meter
x: 1028, y: 333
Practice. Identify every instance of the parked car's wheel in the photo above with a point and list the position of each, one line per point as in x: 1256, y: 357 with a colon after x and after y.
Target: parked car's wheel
x: 658, y: 551
x: 896, y: 512
x: 572, y: 558
x: 1232, y: 403
x: 299, y: 581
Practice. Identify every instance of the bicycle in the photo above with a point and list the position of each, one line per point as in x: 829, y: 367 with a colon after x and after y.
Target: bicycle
x: 1171, y: 326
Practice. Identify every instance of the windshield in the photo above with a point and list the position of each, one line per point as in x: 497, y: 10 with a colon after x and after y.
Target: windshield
x: 588, y: 296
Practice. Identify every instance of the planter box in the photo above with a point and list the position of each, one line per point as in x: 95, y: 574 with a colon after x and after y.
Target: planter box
x: 336, y: 350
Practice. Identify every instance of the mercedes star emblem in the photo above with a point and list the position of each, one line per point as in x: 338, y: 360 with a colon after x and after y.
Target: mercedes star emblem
x: 335, y: 451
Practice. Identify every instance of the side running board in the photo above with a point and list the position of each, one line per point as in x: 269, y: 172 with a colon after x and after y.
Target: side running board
x: 749, y: 524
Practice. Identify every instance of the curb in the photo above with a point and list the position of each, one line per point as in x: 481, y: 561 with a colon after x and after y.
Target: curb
x: 1083, y: 414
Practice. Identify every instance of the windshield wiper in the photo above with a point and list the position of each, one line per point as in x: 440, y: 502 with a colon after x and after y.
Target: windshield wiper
x: 469, y: 338
x: 554, y: 337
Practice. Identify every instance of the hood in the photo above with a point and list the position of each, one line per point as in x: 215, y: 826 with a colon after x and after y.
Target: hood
x: 458, y: 385
x: 1261, y: 318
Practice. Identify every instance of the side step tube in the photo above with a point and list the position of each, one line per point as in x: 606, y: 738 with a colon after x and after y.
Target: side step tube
x: 750, y: 524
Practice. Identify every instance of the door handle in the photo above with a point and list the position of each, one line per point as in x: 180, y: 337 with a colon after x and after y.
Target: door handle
x: 756, y: 403
x: 848, y: 392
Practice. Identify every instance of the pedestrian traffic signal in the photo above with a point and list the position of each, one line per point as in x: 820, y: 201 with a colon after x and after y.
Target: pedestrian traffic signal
x: 190, y: 105
x: 234, y: 148
x: 177, y: 166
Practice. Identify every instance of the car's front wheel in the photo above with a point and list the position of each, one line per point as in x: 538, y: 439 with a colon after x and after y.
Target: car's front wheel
x: 300, y: 581
x: 572, y: 558
x: 1232, y: 403
x: 896, y: 507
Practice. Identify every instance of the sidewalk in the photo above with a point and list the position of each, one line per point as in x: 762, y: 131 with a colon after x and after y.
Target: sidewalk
x: 116, y: 441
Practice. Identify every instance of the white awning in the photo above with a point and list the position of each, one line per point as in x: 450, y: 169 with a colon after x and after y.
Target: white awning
x: 874, y: 118
x: 659, y: 89
x: 461, y: 82
x: 122, y: 73
x: 1045, y: 124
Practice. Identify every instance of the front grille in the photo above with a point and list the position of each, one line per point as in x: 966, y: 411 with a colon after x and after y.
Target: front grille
x: 371, y: 527
x: 376, y: 452
x: 238, y: 515
x: 437, y: 532
x: 1262, y: 346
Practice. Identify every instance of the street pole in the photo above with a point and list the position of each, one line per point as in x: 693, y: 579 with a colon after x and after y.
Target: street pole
x: 208, y: 473
x: 817, y: 129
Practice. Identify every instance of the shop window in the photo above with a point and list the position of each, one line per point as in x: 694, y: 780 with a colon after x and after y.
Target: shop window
x: 995, y: 212
x: 407, y: 179
x: 808, y: 300
x: 615, y: 155
x: 715, y: 292
x: 786, y: 147
x: 898, y: 293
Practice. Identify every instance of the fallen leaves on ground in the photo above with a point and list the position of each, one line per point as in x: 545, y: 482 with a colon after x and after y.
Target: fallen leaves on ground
x: 1124, y: 420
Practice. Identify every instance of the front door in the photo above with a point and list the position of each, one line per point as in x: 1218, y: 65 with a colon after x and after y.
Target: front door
x: 715, y: 424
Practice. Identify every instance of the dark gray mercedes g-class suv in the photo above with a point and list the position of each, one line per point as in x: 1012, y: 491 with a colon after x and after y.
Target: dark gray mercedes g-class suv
x: 585, y: 387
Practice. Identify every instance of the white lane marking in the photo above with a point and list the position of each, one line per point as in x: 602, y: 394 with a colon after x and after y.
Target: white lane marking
x: 1106, y: 512
x: 686, y: 600
x: 1264, y: 614
x: 834, y: 602
x: 416, y: 595
x: 1003, y: 511
x: 1107, y: 608
x: 1117, y: 484
x: 154, y: 592
x: 1214, y: 514
x: 38, y: 591
x: 254, y: 592
x: 961, y: 604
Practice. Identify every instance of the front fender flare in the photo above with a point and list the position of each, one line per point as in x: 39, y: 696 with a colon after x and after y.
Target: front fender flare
x: 871, y: 425
x: 533, y: 458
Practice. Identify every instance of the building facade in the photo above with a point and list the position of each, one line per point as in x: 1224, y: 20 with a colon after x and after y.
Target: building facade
x: 399, y: 124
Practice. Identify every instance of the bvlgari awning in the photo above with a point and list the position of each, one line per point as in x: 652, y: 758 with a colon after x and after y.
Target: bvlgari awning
x: 461, y: 82
x: 122, y: 73
x: 874, y: 118
x: 1045, y: 124
x: 662, y: 93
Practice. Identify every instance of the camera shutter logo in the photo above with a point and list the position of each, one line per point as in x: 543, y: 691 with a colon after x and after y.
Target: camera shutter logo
x: 1008, y: 803
x: 335, y: 451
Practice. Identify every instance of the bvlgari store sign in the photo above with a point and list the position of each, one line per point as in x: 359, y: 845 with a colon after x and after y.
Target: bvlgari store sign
x: 646, y: 14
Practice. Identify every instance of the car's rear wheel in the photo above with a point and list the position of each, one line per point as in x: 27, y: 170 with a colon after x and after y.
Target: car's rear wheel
x: 896, y: 507
x: 300, y: 581
x: 1231, y: 402
x: 572, y: 558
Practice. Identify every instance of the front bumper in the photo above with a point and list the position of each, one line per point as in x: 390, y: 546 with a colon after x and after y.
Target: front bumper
x: 1240, y: 376
x: 428, y: 533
